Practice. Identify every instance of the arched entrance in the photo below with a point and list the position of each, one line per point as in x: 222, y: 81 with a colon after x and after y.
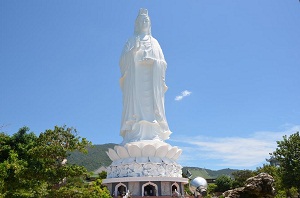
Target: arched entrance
x: 120, y: 189
x: 175, y: 187
x: 149, y: 189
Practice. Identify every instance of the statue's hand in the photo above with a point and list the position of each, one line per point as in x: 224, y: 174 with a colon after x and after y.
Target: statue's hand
x: 147, y: 61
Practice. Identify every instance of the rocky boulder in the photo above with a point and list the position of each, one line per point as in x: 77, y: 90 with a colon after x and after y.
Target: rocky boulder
x: 260, y: 186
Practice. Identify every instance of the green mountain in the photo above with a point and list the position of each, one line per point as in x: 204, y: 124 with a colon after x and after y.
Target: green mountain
x: 207, y: 173
x: 97, y: 157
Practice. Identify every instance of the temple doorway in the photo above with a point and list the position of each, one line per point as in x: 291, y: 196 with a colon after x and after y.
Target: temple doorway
x: 121, y: 190
x: 149, y: 190
x: 174, y: 188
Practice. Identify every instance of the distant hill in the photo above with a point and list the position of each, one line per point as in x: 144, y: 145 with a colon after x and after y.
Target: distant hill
x: 216, y: 173
x: 207, y: 173
x: 97, y: 157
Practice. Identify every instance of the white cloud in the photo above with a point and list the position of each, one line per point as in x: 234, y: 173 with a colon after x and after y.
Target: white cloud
x: 233, y: 152
x: 183, y: 94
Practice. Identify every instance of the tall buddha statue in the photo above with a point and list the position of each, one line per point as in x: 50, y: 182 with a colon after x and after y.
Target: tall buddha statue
x: 142, y: 82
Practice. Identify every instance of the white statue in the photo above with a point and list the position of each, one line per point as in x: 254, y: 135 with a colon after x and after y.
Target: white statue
x: 143, y: 85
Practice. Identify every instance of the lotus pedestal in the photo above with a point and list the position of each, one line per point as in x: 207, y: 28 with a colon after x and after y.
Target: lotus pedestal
x: 145, y: 168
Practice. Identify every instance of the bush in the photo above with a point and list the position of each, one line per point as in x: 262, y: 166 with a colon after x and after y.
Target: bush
x: 223, y: 183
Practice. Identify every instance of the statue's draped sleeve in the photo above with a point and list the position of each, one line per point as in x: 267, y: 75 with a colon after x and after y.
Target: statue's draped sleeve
x: 126, y: 59
x: 127, y: 86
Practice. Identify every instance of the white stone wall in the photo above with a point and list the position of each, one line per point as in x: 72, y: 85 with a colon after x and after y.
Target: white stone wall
x: 134, y: 188
x: 165, y: 188
x: 144, y: 170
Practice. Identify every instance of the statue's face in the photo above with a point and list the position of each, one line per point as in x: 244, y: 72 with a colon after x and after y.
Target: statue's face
x: 144, y: 23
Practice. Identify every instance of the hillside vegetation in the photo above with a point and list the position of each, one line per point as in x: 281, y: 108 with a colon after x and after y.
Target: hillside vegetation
x: 207, y: 173
x: 97, y: 157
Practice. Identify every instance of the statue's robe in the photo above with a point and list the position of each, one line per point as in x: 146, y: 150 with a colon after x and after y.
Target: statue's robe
x: 143, y: 86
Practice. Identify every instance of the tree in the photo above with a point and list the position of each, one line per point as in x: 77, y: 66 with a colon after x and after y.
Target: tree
x: 32, y: 166
x: 16, y: 164
x: 273, y: 171
x: 211, y: 188
x: 78, y: 189
x: 102, y: 175
x: 241, y: 176
x: 51, y: 151
x: 287, y: 154
x: 223, y: 183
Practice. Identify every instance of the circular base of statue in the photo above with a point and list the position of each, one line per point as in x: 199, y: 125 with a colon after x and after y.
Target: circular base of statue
x: 145, y: 186
x: 143, y: 159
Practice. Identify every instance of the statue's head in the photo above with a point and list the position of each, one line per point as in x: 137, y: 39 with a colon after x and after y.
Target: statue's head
x: 142, y: 23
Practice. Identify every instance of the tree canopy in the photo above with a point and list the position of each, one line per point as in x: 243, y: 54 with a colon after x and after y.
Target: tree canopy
x: 35, y: 166
x: 241, y: 176
x: 223, y: 183
x: 287, y: 154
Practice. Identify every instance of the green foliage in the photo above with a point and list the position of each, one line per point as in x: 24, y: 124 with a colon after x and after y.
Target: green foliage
x: 287, y: 175
x: 266, y: 168
x: 293, y: 192
x: 287, y: 154
x: 207, y: 173
x: 240, y: 177
x: 77, y: 189
x: 287, y: 193
x: 95, y: 158
x: 187, y: 189
x: 217, y: 173
x: 17, y: 167
x: 281, y: 190
x: 211, y: 188
x: 223, y: 183
x: 32, y: 166
x: 51, y: 150
x: 274, y: 172
x: 103, y: 175
x: 280, y: 194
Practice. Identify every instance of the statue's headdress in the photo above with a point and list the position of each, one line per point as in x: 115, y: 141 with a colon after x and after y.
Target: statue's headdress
x: 142, y: 12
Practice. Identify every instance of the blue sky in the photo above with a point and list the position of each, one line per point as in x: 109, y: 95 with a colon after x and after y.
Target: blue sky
x: 233, y: 72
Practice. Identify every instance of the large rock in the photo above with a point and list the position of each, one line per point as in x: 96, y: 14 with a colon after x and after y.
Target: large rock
x: 260, y: 186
